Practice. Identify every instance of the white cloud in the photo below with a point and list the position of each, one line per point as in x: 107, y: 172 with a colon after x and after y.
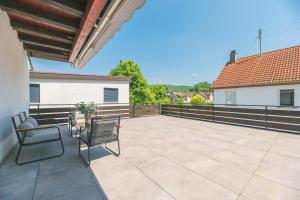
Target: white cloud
x: 195, y: 74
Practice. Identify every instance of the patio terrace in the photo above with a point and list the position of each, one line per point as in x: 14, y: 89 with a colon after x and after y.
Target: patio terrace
x: 165, y: 158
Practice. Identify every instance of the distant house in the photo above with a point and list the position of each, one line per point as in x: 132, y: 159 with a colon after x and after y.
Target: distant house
x: 187, y: 96
x: 58, y: 88
x: 272, y: 78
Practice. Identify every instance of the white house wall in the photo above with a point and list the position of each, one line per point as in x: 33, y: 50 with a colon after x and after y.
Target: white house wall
x: 74, y: 91
x: 14, y: 78
x: 265, y: 95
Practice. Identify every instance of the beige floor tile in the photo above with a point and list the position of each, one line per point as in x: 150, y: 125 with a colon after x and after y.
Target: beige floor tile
x: 263, y: 189
x: 283, y: 160
x: 236, y: 160
x: 229, y: 177
x: 120, y: 180
x: 183, y: 184
x: 279, y: 174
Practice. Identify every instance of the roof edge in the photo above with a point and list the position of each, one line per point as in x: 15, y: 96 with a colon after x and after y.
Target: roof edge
x: 256, y: 85
x: 68, y: 76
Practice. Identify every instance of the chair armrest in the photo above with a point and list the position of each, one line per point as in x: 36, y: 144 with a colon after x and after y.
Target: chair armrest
x: 39, y: 127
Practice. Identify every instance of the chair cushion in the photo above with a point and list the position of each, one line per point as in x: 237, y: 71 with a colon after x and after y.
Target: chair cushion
x: 33, y: 121
x: 26, y: 125
x: 40, y: 135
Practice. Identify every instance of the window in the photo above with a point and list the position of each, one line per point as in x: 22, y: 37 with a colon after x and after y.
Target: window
x: 286, y: 97
x: 34, y: 93
x: 111, y: 95
x: 230, y: 97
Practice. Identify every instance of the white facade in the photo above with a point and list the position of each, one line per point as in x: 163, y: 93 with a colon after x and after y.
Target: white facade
x: 58, y: 91
x: 14, y: 77
x: 263, y: 95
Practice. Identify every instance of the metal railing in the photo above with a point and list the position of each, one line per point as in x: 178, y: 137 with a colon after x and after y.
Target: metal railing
x: 60, y: 113
x: 260, y: 116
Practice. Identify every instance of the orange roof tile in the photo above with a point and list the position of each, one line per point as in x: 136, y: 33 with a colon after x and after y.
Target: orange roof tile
x: 271, y: 68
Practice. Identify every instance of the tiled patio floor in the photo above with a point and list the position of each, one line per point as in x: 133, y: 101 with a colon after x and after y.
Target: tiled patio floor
x: 166, y: 158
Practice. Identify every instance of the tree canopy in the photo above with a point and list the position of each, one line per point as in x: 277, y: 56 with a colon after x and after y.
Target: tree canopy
x: 140, y: 91
x: 201, y: 87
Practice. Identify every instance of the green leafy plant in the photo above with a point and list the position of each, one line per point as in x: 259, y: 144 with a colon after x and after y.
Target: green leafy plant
x: 179, y: 101
x: 87, y: 108
x: 197, y: 100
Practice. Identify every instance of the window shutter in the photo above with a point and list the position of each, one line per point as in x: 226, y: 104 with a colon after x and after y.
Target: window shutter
x: 34, y: 93
x: 111, y: 95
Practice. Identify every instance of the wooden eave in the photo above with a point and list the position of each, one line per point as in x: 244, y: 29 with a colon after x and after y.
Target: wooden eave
x: 54, y: 29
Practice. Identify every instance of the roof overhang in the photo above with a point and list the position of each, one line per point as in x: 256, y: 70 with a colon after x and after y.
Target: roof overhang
x: 67, y: 30
x: 83, y: 77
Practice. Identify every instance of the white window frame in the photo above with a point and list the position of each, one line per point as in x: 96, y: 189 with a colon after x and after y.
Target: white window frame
x: 39, y: 86
x: 112, y: 102
x: 227, y: 93
x: 279, y: 97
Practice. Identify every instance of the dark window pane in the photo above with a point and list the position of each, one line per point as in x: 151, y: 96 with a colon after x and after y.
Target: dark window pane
x: 34, y: 93
x: 286, y: 97
x: 111, y: 95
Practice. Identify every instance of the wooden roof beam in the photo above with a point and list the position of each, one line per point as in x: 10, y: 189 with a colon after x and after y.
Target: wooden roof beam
x: 93, y: 10
x: 48, y: 56
x: 38, y: 17
x: 36, y: 41
x: 71, y: 7
x: 40, y: 32
x: 40, y: 49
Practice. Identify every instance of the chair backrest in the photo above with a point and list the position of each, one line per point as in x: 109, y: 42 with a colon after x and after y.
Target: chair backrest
x: 77, y: 116
x: 23, y: 116
x: 103, y: 128
x: 17, y: 120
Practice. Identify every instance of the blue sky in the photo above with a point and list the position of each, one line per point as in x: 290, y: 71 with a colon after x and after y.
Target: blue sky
x: 188, y: 41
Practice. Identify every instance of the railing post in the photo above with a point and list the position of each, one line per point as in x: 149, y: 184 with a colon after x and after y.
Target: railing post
x: 266, y: 117
x: 159, y: 109
x: 133, y: 110
x: 180, y: 110
x: 38, y: 111
x: 213, y: 112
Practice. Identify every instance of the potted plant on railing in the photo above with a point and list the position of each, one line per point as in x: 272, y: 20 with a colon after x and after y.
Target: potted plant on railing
x: 87, y: 109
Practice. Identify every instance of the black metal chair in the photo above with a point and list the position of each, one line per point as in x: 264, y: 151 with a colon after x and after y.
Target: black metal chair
x: 34, y: 136
x: 75, y: 118
x: 103, y: 130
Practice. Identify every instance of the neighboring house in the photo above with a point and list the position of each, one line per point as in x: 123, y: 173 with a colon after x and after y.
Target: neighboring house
x: 272, y: 78
x: 58, y: 88
x: 187, y: 96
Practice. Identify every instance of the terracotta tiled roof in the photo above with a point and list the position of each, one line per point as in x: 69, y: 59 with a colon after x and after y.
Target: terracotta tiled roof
x: 271, y: 68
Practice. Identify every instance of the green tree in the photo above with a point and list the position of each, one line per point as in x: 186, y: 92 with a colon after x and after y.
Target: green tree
x: 140, y: 93
x: 130, y: 69
x: 160, y: 94
x: 198, y: 100
x: 201, y: 87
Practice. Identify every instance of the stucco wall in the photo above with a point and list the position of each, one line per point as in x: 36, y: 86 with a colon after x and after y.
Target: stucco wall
x: 266, y: 95
x: 74, y: 91
x: 14, y: 79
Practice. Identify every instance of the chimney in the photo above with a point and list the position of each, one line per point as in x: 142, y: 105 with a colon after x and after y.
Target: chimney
x: 232, y: 57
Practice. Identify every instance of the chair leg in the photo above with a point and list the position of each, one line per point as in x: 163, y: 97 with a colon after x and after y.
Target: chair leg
x: 113, y: 152
x: 79, y: 151
x: 36, y: 160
